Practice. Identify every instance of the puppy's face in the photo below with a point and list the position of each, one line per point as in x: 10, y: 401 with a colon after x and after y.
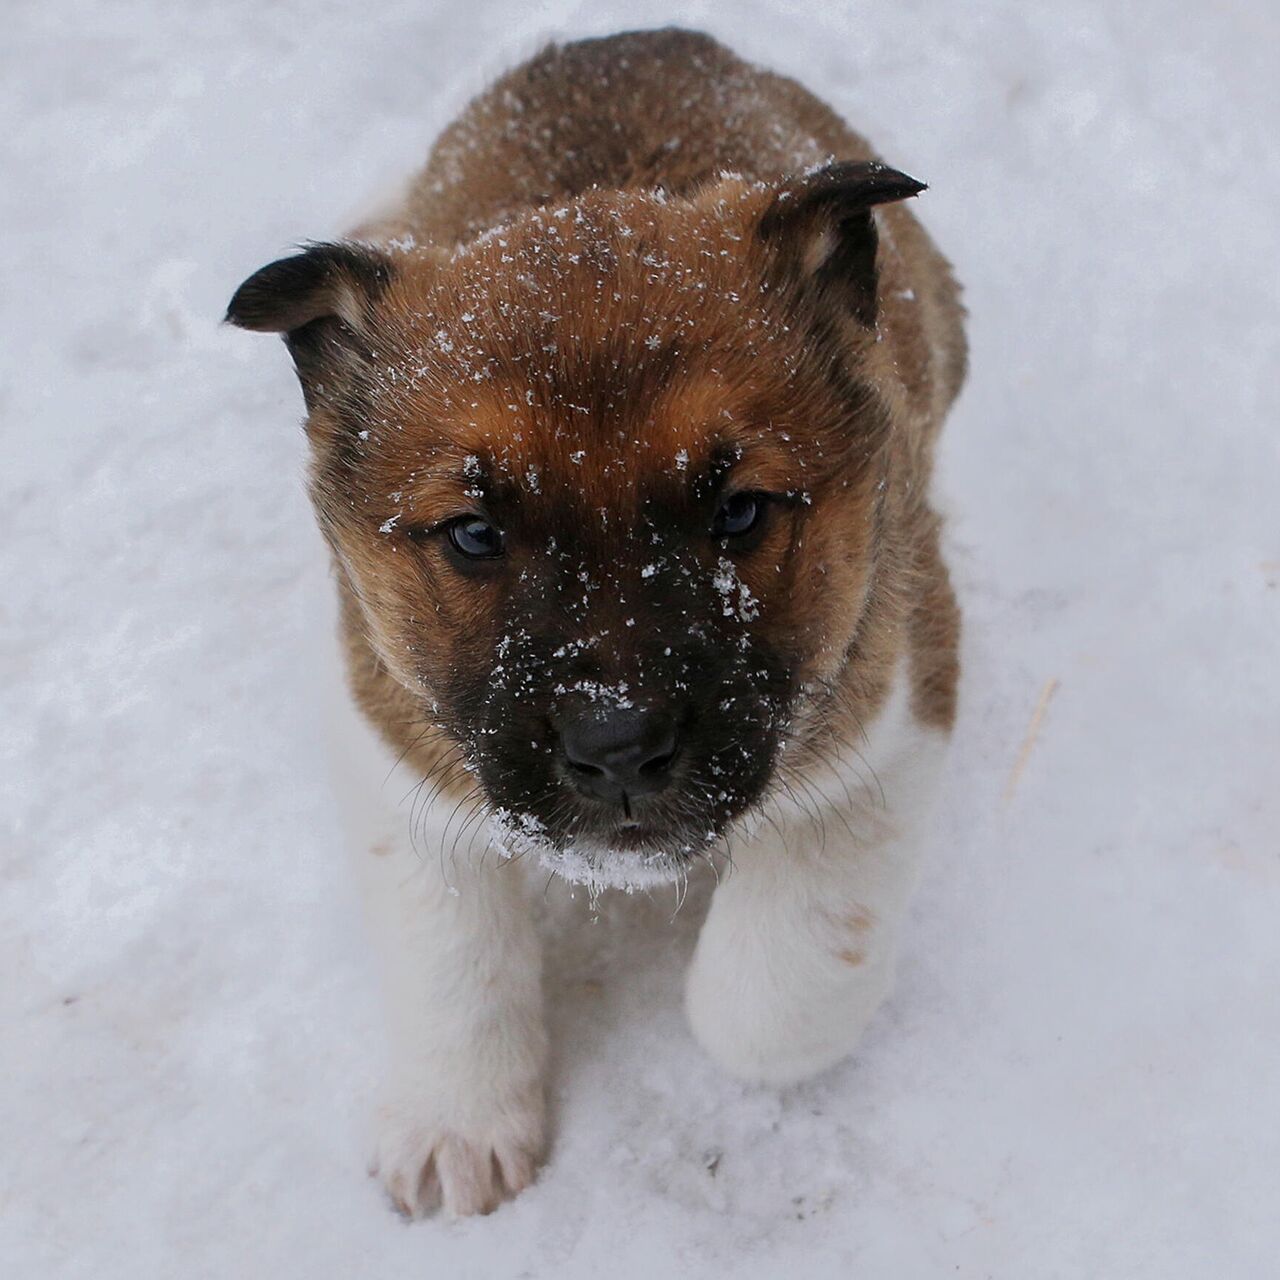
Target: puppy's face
x: 605, y: 485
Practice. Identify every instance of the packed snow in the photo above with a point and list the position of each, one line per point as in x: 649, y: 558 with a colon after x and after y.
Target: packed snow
x: 1079, y: 1072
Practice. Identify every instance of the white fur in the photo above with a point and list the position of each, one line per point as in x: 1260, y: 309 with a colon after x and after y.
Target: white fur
x: 461, y: 969
x: 797, y: 951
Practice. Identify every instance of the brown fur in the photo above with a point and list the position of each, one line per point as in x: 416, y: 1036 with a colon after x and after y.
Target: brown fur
x: 620, y: 300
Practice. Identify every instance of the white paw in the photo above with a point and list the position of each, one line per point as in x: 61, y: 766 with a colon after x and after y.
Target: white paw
x: 426, y: 1161
x: 781, y: 1017
x: 762, y: 1046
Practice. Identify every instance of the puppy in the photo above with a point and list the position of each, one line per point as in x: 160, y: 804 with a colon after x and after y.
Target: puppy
x: 621, y: 429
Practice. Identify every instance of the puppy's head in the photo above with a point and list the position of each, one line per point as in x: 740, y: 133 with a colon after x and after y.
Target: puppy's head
x: 605, y: 483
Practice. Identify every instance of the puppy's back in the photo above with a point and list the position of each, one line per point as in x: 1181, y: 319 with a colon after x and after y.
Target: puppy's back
x: 643, y: 109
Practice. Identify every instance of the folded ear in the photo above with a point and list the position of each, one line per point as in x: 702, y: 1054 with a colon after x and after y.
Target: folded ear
x: 321, y: 300
x: 822, y: 227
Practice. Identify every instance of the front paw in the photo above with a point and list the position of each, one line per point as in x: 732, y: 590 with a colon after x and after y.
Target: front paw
x: 467, y: 1160
x: 781, y: 1016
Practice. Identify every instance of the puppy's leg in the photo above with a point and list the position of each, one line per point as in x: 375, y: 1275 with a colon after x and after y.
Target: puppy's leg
x: 462, y: 1121
x: 798, y: 948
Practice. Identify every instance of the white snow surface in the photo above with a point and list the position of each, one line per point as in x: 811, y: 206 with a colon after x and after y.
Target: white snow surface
x: 1079, y: 1072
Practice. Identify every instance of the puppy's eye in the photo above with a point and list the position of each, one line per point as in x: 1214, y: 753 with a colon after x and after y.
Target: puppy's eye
x: 739, y: 515
x: 474, y: 538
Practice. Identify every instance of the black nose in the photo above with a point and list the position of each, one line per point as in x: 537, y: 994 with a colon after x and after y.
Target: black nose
x: 620, y: 753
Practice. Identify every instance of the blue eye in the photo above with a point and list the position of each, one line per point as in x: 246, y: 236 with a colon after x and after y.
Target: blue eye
x: 475, y: 538
x: 738, y: 515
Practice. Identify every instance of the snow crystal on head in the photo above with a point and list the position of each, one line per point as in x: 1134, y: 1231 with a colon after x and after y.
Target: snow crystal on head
x: 727, y: 582
x: 594, y: 866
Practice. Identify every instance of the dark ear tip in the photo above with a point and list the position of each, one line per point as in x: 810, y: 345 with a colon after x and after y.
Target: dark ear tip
x: 881, y: 182
x: 851, y: 186
x: 236, y: 312
x: 254, y: 305
x: 291, y: 291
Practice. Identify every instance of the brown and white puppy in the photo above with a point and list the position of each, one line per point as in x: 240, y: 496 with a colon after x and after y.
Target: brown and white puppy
x: 621, y: 431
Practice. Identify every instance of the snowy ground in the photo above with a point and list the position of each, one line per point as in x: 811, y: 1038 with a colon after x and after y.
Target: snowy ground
x: 1079, y: 1075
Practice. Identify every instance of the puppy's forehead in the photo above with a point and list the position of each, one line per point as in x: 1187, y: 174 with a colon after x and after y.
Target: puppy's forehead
x: 600, y: 349
x: 611, y: 272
